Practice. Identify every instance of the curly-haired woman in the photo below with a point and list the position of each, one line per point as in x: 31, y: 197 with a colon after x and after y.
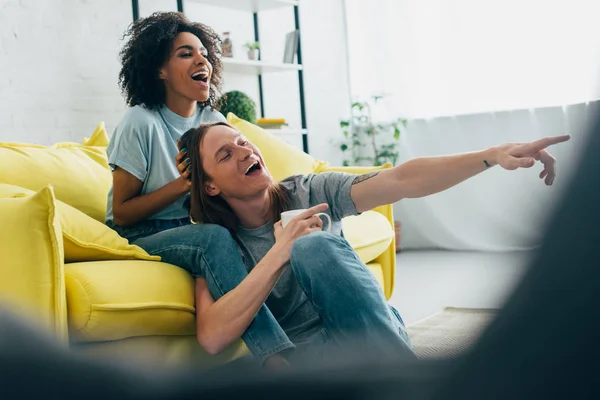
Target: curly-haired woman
x: 170, y: 77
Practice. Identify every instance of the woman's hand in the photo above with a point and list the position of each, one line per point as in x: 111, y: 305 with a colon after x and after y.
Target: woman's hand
x: 301, y: 225
x: 523, y: 155
x: 184, y: 168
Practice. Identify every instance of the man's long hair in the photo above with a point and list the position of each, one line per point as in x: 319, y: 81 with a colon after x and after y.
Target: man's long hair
x: 214, y: 209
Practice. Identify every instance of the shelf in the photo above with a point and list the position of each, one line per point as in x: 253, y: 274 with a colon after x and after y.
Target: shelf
x: 287, y: 132
x: 241, y: 66
x: 249, y: 5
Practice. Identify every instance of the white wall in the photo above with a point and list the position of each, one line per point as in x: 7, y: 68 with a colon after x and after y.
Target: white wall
x: 58, y: 68
x: 59, y: 63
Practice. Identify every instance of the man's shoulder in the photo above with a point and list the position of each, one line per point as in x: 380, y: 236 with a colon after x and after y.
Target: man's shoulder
x: 295, y: 181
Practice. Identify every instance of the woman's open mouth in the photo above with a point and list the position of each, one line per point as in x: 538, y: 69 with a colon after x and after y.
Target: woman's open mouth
x: 201, y: 77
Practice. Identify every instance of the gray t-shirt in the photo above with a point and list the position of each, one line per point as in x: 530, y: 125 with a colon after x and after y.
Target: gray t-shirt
x: 287, y: 301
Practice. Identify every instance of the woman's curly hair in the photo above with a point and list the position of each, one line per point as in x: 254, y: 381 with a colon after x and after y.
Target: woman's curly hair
x: 149, y: 48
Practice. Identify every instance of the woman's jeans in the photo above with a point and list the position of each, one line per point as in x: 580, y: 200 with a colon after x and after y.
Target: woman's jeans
x: 345, y: 293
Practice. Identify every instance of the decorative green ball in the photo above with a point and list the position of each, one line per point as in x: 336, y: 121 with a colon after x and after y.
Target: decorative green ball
x: 240, y: 104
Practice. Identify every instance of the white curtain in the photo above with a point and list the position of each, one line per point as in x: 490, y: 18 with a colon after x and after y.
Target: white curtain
x: 470, y: 74
x: 497, y: 210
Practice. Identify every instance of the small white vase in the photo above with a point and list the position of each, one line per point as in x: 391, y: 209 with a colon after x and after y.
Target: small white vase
x: 252, y: 54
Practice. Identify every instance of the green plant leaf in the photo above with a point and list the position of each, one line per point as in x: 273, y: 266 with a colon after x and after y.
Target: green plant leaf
x: 358, y: 105
x: 345, y: 163
x: 396, y: 133
x: 240, y: 104
x: 344, y: 124
x: 345, y: 133
x: 344, y: 147
x: 404, y: 122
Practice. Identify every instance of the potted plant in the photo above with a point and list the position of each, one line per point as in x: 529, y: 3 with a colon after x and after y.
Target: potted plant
x: 369, y: 143
x: 240, y: 104
x: 253, y: 48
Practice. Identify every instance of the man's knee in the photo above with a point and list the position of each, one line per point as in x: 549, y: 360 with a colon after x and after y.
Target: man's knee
x: 317, y: 248
x: 307, y: 245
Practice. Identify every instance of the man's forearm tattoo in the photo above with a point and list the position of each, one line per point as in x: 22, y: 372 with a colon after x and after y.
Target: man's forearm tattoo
x: 364, y: 177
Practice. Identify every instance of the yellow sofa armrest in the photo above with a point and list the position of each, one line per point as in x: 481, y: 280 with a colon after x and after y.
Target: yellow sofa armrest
x: 32, y: 266
x: 387, y: 259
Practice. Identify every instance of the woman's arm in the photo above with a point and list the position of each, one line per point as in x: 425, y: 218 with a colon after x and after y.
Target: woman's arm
x: 130, y: 208
x: 428, y: 175
x: 221, y: 322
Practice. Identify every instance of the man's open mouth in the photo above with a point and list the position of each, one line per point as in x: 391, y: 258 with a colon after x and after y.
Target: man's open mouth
x: 253, y: 168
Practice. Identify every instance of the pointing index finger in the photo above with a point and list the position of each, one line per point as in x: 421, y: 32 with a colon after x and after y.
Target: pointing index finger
x: 543, y: 143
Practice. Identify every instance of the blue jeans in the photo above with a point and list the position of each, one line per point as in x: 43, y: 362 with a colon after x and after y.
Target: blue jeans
x: 345, y: 293
x: 349, y: 300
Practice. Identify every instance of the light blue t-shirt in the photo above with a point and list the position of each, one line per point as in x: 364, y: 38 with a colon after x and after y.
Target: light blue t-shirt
x: 145, y: 145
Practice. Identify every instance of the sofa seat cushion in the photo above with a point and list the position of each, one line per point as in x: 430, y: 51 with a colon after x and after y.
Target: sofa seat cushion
x: 370, y: 234
x: 110, y: 300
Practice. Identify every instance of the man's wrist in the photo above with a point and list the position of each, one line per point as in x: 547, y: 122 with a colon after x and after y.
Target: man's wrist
x: 490, y: 157
x: 280, y: 255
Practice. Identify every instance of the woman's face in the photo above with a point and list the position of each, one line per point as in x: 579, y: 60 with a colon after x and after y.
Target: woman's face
x: 187, y: 72
x: 235, y: 165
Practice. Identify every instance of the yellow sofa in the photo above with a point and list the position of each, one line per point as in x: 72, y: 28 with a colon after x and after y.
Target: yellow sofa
x: 65, y: 270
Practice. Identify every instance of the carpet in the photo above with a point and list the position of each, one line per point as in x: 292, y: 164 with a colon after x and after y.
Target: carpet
x: 449, y: 332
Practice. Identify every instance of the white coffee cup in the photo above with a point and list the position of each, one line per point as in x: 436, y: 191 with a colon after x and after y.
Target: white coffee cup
x: 287, y: 216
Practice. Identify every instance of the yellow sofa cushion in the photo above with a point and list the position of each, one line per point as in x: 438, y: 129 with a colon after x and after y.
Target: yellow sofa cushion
x: 79, y: 173
x: 31, y: 263
x: 85, y: 239
x: 377, y: 270
x: 283, y: 160
x: 370, y: 234
x: 110, y: 300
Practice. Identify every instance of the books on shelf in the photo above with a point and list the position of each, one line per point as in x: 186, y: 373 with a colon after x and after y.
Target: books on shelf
x: 272, y: 123
x: 291, y: 47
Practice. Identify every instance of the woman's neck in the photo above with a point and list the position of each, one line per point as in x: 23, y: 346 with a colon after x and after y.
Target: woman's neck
x: 180, y: 105
x: 253, y: 212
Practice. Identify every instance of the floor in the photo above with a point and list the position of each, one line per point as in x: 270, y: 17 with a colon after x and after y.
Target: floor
x: 428, y: 281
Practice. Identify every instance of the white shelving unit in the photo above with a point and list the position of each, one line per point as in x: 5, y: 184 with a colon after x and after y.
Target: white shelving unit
x: 249, y: 5
x: 241, y: 66
x: 258, y: 68
x: 287, y: 132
